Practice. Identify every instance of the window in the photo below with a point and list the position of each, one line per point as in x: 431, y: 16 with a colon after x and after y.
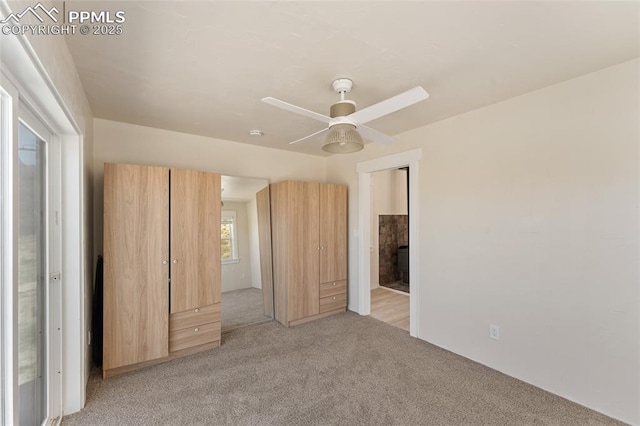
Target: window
x: 30, y: 357
x: 228, y: 240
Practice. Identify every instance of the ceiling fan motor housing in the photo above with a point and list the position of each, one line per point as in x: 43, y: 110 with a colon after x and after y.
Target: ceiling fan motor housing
x: 342, y: 109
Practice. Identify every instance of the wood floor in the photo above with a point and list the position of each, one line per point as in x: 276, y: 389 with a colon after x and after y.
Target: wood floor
x: 391, y: 307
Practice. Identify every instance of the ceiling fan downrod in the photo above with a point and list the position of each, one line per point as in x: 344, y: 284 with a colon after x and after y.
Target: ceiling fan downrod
x: 343, y: 107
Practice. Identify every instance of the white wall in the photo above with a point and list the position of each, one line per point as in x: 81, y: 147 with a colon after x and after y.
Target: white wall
x: 529, y: 220
x: 389, y: 197
x: 389, y: 191
x: 237, y: 275
x: 254, y: 243
x: 128, y: 143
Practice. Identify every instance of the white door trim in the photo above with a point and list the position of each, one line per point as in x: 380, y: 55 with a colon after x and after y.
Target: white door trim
x: 365, y: 168
x: 8, y: 246
x: 53, y: 299
x: 21, y: 67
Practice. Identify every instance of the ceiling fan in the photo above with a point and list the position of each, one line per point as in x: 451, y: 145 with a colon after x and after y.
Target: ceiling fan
x: 346, y: 129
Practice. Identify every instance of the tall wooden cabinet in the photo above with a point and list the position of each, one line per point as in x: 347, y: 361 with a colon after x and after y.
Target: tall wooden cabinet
x: 309, y: 238
x: 161, y: 265
x: 136, y: 242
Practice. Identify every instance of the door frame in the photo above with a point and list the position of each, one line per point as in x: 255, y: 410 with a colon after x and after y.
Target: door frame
x: 25, y: 81
x: 365, y: 168
x: 18, y: 109
x: 52, y: 290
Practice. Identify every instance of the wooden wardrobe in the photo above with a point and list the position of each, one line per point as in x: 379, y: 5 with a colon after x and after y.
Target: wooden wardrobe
x: 161, y: 265
x: 309, y: 238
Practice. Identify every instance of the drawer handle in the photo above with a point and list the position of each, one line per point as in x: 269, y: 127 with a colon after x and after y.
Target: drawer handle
x: 334, y: 283
x: 334, y: 298
x: 197, y: 310
x: 196, y: 330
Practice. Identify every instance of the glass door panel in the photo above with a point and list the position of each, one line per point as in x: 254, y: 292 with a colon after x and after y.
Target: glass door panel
x: 31, y: 277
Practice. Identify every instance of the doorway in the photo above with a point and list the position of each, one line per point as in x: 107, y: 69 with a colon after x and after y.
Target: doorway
x: 365, y: 170
x: 390, y: 282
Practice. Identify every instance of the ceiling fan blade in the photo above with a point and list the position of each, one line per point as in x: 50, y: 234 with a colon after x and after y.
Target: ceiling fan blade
x: 390, y: 105
x: 374, y: 135
x: 296, y: 109
x: 311, y: 136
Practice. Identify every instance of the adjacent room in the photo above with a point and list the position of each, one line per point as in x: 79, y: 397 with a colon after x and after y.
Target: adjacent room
x: 390, y: 285
x: 292, y: 213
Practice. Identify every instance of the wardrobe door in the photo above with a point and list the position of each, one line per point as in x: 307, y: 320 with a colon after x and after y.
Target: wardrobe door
x: 279, y: 202
x: 333, y: 232
x: 264, y: 240
x: 136, y: 250
x: 304, y: 246
x: 195, y: 239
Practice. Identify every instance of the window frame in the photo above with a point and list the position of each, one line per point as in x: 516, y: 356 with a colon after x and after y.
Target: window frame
x: 231, y: 216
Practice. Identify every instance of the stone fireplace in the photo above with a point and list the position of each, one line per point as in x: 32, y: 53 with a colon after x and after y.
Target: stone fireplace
x: 393, y: 232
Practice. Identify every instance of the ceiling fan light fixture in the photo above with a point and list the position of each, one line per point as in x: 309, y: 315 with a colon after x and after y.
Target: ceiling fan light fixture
x: 343, y: 139
x: 342, y: 136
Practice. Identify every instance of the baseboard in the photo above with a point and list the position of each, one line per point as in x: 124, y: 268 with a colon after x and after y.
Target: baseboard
x: 316, y: 317
x: 172, y: 355
x: 54, y: 422
x: 395, y: 291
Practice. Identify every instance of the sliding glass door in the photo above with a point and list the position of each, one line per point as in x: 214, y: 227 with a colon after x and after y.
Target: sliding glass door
x: 36, y: 133
x: 32, y: 273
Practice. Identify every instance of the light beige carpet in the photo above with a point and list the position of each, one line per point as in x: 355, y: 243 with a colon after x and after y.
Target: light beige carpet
x: 241, y: 308
x: 341, y: 370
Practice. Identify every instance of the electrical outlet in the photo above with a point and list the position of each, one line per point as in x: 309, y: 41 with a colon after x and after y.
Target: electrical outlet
x: 494, y: 331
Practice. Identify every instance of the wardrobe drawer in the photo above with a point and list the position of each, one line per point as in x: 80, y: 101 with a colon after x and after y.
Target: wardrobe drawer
x: 194, y: 317
x: 332, y: 288
x: 333, y: 302
x: 194, y: 336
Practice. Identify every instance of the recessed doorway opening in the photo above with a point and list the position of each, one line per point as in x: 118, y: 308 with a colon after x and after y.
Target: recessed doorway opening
x: 390, y: 283
x: 395, y: 165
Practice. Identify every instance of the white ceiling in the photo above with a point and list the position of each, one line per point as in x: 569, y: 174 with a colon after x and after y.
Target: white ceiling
x: 202, y: 67
x: 241, y: 188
